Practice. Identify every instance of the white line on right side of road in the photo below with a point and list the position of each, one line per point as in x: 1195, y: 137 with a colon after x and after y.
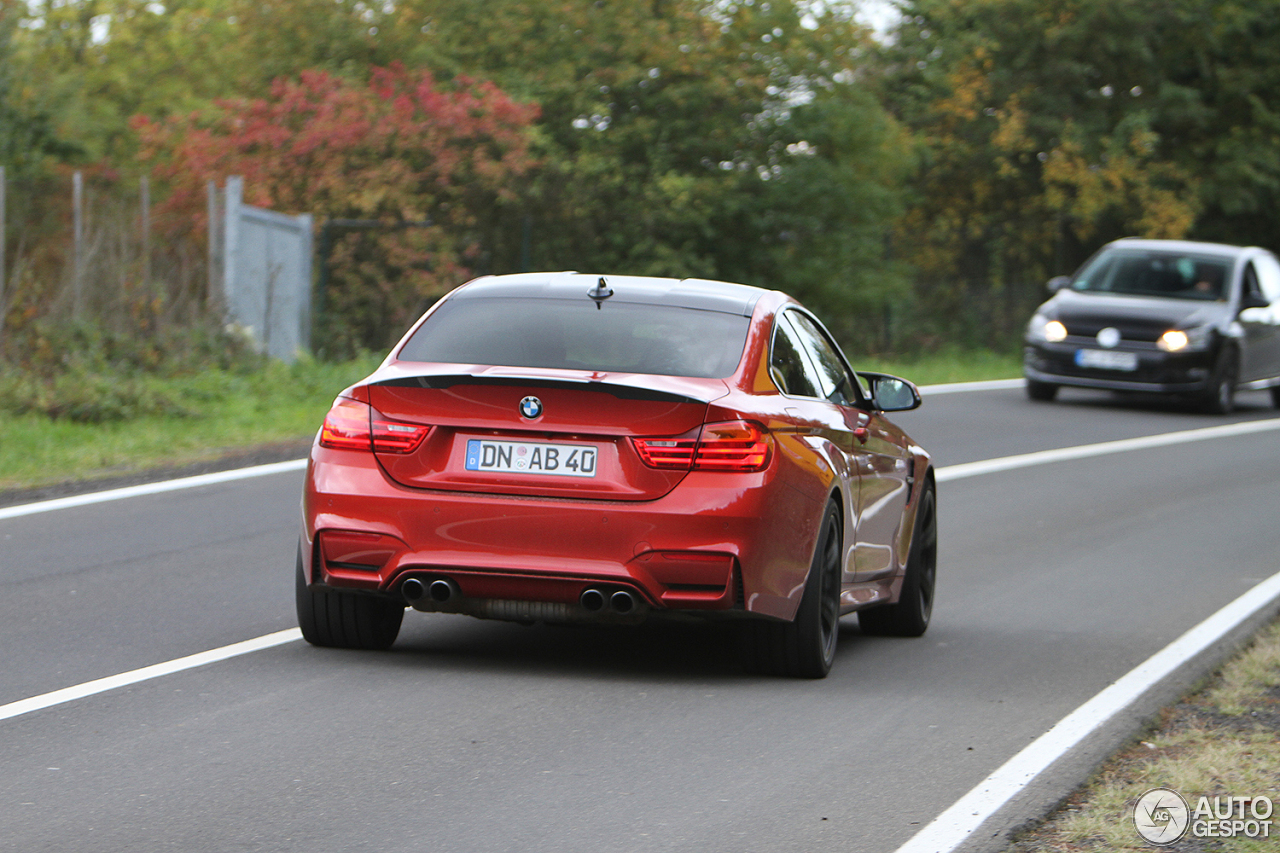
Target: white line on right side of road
x: 300, y: 464
x: 1043, y: 457
x: 984, y: 385
x: 954, y: 826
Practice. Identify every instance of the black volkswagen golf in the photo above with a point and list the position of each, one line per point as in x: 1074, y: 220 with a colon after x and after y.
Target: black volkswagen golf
x: 1200, y: 320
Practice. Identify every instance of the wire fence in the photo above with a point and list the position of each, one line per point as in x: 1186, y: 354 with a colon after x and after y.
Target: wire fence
x: 81, y: 250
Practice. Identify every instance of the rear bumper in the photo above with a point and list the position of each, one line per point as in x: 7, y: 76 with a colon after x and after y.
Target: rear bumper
x: 1159, y: 372
x: 714, y: 543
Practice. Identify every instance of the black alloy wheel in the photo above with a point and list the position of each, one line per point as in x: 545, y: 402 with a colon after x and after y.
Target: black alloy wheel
x: 910, y: 616
x: 1043, y: 392
x: 344, y: 620
x: 1221, y: 396
x: 806, y: 646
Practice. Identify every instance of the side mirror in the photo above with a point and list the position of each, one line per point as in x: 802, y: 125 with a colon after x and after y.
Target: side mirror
x: 1058, y: 282
x: 892, y: 394
x: 1253, y: 300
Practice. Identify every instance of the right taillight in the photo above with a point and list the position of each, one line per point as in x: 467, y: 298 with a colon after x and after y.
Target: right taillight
x: 739, y: 446
x: 733, y: 446
x: 352, y: 425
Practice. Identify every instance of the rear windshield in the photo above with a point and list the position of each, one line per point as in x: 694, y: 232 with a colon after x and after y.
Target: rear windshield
x: 1173, y: 275
x: 619, y: 337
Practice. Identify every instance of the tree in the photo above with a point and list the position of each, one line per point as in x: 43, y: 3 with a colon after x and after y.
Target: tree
x: 665, y: 128
x: 401, y: 149
x: 662, y: 137
x: 27, y: 132
x: 1046, y: 129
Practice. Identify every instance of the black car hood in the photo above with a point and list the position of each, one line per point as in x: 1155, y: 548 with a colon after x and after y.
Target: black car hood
x: 1137, y: 317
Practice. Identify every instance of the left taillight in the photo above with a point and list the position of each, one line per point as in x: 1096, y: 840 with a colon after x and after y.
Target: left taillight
x: 352, y: 425
x: 740, y: 446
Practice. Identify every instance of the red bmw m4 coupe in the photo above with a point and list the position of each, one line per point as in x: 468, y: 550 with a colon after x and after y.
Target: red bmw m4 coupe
x: 568, y: 448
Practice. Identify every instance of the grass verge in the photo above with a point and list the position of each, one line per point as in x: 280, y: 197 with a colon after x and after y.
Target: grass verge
x: 206, y: 416
x: 144, y: 422
x: 1223, y: 741
x: 948, y: 366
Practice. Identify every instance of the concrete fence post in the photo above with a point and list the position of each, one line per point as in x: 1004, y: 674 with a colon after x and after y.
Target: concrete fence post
x: 77, y: 259
x: 232, y: 197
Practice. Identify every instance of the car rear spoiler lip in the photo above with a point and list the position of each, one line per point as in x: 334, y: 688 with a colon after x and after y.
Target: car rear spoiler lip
x: 614, y: 389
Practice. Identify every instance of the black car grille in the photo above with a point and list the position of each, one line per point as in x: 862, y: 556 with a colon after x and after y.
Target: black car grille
x: 1130, y: 330
x: 1161, y: 370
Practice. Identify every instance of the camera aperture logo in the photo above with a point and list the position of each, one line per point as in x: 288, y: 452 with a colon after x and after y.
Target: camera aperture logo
x: 1162, y: 817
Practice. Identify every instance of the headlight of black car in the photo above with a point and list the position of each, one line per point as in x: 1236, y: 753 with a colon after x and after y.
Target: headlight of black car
x: 1041, y: 328
x: 1186, y: 340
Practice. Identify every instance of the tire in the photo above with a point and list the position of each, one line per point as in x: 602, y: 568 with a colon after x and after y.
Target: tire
x: 910, y: 616
x: 344, y: 620
x: 1221, y: 396
x: 1043, y: 392
x: 806, y: 646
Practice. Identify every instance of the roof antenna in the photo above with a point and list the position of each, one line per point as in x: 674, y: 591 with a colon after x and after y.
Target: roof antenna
x: 600, y: 292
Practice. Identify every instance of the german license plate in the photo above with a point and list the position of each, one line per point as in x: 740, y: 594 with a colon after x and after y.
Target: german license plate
x: 1102, y: 359
x: 531, y: 457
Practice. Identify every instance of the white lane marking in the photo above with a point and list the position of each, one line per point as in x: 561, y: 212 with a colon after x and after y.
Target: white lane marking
x: 1043, y: 457
x: 950, y: 472
x: 985, y: 385
x: 954, y: 826
x: 111, y: 682
x: 153, y: 488
x: 301, y: 464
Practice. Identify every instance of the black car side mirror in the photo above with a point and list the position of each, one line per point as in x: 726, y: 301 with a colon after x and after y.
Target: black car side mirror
x: 1253, y: 300
x: 891, y: 393
x: 1058, y: 282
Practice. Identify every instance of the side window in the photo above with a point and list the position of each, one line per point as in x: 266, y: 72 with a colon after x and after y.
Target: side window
x: 834, y: 379
x: 1268, y: 277
x: 788, y: 365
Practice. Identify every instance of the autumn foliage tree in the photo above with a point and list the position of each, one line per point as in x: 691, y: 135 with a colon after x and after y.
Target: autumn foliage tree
x: 1045, y: 128
x: 401, y: 149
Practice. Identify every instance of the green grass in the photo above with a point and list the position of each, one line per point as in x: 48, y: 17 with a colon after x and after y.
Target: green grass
x: 204, y: 416
x: 1222, y: 741
x: 947, y: 366
x: 86, y: 426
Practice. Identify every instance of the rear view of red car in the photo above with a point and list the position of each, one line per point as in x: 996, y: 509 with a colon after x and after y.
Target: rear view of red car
x: 567, y: 448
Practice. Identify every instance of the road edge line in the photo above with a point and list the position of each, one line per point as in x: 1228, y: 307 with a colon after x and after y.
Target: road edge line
x: 153, y: 488
x: 960, y: 822
x: 298, y: 464
x: 1043, y: 457
x: 980, y: 385
x: 146, y: 673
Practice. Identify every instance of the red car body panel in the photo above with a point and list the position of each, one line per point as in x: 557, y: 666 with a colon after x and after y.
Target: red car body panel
x: 701, y: 540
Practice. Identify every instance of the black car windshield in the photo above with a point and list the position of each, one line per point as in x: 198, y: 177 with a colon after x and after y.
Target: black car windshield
x: 619, y: 337
x: 1171, y: 275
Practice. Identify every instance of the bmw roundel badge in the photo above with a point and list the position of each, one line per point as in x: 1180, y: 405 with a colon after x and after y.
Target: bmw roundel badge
x: 530, y: 407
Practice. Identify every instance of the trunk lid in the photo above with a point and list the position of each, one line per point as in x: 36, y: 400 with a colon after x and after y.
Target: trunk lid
x: 574, y: 442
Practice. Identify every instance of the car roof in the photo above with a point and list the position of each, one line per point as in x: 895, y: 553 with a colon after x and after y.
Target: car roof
x: 701, y: 294
x: 1181, y: 246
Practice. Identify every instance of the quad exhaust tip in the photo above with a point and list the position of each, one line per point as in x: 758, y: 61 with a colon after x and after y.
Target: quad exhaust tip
x: 594, y: 600
x: 443, y: 591
x: 413, y: 590
x: 440, y: 591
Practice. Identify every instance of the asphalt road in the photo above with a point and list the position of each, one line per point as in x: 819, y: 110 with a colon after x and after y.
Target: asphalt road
x: 475, y: 736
